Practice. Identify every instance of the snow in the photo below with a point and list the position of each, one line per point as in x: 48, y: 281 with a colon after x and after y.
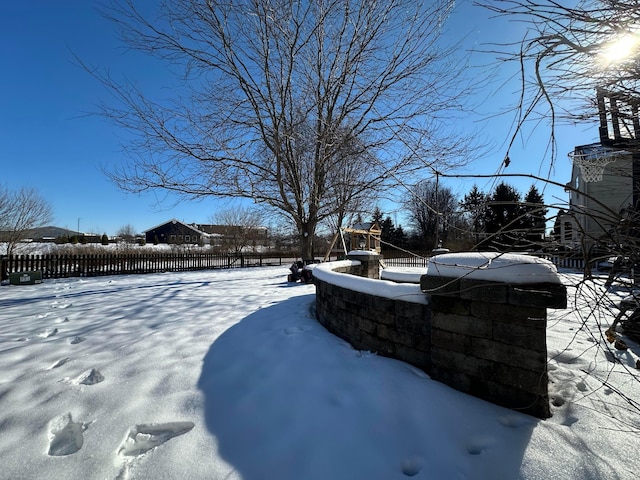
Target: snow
x: 363, y: 253
x: 379, y: 288
x: 227, y: 375
x: 494, y: 266
x: 402, y: 274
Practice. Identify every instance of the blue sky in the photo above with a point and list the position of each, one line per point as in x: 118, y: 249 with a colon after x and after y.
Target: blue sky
x: 49, y: 143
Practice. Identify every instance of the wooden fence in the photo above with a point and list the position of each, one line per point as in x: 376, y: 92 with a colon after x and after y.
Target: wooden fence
x: 91, y: 265
x: 394, y: 259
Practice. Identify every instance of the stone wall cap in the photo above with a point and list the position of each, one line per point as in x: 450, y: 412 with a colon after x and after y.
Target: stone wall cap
x: 543, y: 294
x: 363, y: 253
x: 495, y: 267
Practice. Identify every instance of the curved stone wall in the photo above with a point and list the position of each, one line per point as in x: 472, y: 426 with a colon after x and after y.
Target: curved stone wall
x: 481, y: 337
x: 394, y: 323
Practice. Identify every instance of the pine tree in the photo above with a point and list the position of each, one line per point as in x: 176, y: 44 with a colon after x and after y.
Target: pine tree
x: 399, y: 237
x: 534, y: 217
x: 474, y: 207
x: 388, y: 232
x: 377, y: 216
x: 503, y: 217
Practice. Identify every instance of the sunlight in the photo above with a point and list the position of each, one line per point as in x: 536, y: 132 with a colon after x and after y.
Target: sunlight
x: 620, y: 49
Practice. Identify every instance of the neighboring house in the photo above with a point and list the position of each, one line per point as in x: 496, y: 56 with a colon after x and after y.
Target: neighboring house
x: 176, y: 232
x: 236, y: 237
x: 229, y: 236
x: 602, y: 196
x: 601, y: 191
x: 45, y: 234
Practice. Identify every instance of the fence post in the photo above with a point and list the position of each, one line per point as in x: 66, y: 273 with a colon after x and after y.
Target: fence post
x: 4, y: 275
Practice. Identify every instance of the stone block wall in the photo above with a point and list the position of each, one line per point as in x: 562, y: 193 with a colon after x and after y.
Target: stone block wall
x: 393, y: 328
x: 494, y: 351
x: 484, y: 338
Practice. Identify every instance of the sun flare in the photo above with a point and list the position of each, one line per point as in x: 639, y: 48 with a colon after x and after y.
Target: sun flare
x: 620, y: 49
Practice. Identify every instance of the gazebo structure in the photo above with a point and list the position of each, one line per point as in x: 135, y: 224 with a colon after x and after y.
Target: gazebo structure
x: 364, y: 236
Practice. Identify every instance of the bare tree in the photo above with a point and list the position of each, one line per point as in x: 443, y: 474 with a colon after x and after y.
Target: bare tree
x: 5, y: 207
x: 432, y: 208
x: 241, y: 228
x: 127, y: 233
x: 571, y: 57
x: 581, y: 62
x: 20, y: 212
x: 283, y: 99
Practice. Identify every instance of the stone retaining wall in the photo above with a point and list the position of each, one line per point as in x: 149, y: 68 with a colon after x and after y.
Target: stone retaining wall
x: 393, y: 328
x: 484, y: 338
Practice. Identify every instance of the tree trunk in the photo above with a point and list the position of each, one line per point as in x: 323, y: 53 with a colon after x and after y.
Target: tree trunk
x: 306, y: 242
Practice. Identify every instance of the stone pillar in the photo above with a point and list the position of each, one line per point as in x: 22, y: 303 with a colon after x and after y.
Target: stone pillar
x: 370, y: 263
x: 488, y: 339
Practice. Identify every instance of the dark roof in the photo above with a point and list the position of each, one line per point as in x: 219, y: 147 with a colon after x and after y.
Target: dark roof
x: 366, y: 226
x: 194, y: 226
x: 51, y: 231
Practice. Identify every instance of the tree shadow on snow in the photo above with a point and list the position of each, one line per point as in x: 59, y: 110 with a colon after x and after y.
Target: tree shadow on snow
x: 286, y: 399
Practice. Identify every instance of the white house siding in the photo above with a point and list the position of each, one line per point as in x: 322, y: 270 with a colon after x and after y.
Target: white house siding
x: 595, y: 210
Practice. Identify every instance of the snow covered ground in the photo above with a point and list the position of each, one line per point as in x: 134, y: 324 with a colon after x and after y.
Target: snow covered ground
x: 226, y: 375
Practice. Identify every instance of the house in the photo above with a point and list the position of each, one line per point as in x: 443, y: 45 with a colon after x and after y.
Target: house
x: 236, y: 237
x: 176, y: 232
x: 603, y: 190
x: 226, y: 236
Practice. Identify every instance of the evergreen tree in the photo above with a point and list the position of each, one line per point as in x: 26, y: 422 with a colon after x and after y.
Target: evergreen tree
x: 556, y: 234
x: 534, y: 217
x: 399, y: 237
x: 503, y: 217
x: 104, y: 240
x: 377, y: 216
x: 388, y: 232
x: 474, y: 206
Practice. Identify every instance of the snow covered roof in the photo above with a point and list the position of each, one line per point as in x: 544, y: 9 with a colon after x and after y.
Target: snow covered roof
x: 367, y: 226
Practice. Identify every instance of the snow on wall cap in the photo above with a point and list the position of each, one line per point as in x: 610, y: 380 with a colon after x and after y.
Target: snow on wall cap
x: 362, y: 252
x: 494, y: 266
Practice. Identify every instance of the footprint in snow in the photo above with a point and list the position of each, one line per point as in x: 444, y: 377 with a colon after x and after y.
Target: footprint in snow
x: 144, y: 437
x: 89, y: 377
x: 59, y: 363
x: 479, y: 444
x: 513, y: 420
x: 61, y: 305
x: 411, y: 466
x: 49, y: 333
x: 76, y: 340
x: 294, y: 330
x: 65, y: 435
x: 581, y: 386
x: 63, y: 320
